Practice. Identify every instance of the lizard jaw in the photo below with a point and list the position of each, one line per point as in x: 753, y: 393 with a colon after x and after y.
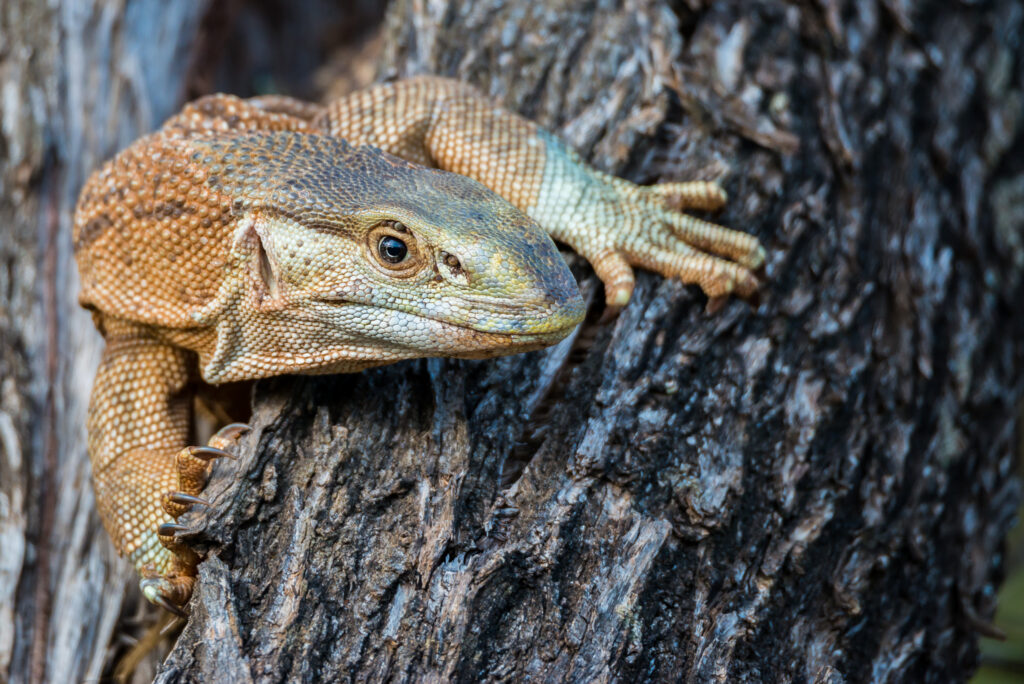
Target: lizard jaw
x: 414, y: 335
x: 483, y: 325
x: 352, y: 337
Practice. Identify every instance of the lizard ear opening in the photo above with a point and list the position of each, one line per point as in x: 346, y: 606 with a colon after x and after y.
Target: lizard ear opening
x: 263, y: 274
x: 267, y: 270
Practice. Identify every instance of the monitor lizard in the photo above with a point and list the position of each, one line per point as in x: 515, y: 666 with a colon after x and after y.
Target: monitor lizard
x: 248, y: 238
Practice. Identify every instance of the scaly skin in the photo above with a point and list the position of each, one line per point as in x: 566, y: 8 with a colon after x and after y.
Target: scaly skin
x: 247, y: 239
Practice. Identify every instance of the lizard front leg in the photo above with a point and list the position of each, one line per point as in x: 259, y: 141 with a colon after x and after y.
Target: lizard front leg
x: 613, y: 223
x: 143, y: 474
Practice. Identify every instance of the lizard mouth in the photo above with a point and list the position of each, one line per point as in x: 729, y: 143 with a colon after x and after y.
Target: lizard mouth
x: 473, y: 343
x: 431, y: 336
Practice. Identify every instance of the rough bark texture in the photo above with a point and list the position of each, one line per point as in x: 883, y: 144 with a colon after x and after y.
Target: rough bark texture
x: 815, y: 489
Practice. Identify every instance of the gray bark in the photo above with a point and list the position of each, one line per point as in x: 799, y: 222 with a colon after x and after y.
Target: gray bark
x: 812, y: 489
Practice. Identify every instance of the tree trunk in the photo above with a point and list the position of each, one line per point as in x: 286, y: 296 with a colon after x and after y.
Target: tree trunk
x: 815, y: 488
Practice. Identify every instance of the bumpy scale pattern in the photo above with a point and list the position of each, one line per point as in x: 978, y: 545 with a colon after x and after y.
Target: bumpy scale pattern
x: 245, y: 239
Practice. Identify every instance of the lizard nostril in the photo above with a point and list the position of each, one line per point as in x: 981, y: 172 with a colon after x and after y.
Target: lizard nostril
x: 452, y: 268
x: 452, y: 262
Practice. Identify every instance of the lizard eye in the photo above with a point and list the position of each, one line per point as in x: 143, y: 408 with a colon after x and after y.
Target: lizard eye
x: 392, y: 250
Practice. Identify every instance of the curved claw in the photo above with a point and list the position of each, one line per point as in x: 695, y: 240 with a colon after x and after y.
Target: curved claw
x: 169, y: 529
x: 233, y: 431
x: 187, y: 499
x: 715, y: 304
x: 208, y: 453
x: 168, y: 606
x: 153, y: 590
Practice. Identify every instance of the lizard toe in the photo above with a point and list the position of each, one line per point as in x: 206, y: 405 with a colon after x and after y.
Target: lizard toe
x: 714, y: 239
x: 184, y: 559
x: 186, y: 499
x: 193, y: 468
x: 617, y: 275
x: 170, y: 593
x: 176, y: 504
x: 228, y: 434
x: 175, y: 584
x: 701, y: 195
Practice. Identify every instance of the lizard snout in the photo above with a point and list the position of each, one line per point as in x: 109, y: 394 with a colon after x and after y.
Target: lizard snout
x: 527, y: 292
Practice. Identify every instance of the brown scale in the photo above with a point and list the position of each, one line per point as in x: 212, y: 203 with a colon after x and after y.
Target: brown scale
x: 211, y: 250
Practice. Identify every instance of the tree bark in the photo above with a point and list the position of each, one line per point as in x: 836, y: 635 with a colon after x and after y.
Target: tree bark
x: 812, y: 489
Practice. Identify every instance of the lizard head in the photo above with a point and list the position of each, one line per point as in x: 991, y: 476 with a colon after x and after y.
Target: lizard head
x: 374, y: 259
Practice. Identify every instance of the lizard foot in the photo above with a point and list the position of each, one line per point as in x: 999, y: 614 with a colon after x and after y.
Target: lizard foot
x: 173, y: 588
x: 627, y: 225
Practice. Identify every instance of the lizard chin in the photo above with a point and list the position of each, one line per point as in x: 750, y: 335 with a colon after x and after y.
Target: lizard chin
x: 472, y: 344
x: 490, y: 345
